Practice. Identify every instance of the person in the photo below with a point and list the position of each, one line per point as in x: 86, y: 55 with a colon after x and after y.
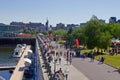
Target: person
x: 55, y: 58
x: 49, y: 59
x: 64, y: 54
x: 60, y: 53
x: 102, y: 60
x: 66, y: 73
x: 59, y: 60
x: 70, y: 58
x: 60, y: 70
x: 92, y: 56
x: 67, y: 56
x: 111, y: 52
x: 56, y: 46
x: 84, y: 56
x: 60, y: 74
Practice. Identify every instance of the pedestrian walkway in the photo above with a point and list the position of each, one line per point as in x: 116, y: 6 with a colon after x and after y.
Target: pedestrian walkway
x: 73, y: 72
x: 95, y: 71
x: 84, y: 69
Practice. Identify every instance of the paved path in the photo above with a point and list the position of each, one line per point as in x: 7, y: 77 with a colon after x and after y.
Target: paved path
x: 74, y: 74
x: 91, y: 70
x: 95, y: 71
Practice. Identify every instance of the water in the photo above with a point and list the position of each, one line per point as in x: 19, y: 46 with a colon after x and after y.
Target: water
x: 6, y: 58
x: 5, y: 74
x: 6, y: 55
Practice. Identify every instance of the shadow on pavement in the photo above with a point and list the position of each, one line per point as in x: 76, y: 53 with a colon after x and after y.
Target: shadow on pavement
x: 118, y: 70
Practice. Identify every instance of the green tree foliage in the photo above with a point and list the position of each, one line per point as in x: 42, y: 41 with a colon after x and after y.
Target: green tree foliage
x: 70, y: 30
x: 114, y: 29
x: 60, y: 33
x: 51, y: 31
x: 92, y: 31
x: 26, y: 31
x: 79, y: 33
x: 30, y: 32
x: 45, y: 33
x: 104, y: 40
x: 95, y: 34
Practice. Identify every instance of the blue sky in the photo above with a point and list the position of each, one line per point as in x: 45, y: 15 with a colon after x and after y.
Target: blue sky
x: 65, y: 11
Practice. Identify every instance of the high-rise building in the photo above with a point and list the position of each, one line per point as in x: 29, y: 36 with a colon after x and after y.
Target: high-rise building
x: 102, y: 21
x: 19, y: 24
x: 73, y: 26
x: 60, y: 26
x: 112, y: 20
x: 37, y: 26
x: 2, y: 24
x: 118, y: 21
x: 82, y: 24
x: 47, y: 25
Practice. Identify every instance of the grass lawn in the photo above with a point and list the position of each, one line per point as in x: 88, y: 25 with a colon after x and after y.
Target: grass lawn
x: 111, y: 60
x: 86, y: 50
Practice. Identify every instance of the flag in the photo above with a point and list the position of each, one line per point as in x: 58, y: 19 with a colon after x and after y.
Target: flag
x: 77, y: 43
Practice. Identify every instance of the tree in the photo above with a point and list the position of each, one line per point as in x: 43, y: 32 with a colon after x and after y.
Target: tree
x: 114, y: 29
x: 51, y: 31
x: 79, y: 33
x: 104, y: 40
x: 92, y: 31
x: 93, y: 34
x: 70, y: 30
x: 60, y: 33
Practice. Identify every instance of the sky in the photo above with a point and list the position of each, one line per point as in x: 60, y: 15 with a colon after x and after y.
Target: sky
x: 64, y: 11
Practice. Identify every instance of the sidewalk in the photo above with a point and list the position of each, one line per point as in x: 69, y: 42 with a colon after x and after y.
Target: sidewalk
x: 73, y: 72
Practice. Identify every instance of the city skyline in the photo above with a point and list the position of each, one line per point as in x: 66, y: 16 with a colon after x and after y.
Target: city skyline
x: 64, y: 11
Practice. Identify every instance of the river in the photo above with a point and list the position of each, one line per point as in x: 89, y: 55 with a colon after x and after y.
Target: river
x: 5, y: 59
x: 6, y: 55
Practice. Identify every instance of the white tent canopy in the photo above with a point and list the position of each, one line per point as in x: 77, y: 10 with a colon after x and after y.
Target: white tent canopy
x: 27, y: 61
x: 30, y: 51
x: 115, y: 40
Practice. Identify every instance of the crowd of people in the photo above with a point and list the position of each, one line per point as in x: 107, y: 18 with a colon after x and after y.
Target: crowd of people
x: 54, y: 54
